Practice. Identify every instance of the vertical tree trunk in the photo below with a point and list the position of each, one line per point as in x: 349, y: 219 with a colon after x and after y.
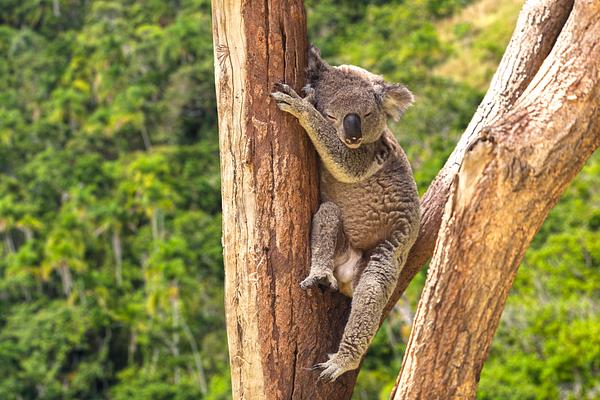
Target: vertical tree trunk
x: 269, y: 191
x: 510, y: 178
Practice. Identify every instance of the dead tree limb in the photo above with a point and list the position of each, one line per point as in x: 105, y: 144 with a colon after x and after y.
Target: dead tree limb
x: 510, y: 178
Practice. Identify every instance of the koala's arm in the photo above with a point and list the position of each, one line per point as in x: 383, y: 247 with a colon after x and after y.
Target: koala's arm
x: 345, y: 164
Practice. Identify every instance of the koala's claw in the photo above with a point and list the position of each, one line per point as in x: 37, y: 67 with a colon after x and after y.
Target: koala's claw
x: 324, y: 280
x: 287, y: 89
x: 330, y: 374
x: 281, y: 97
x: 332, y: 369
x: 287, y: 103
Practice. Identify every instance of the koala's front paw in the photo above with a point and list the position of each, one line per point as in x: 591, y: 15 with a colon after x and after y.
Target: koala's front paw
x: 323, y: 279
x: 335, y: 366
x: 288, y: 100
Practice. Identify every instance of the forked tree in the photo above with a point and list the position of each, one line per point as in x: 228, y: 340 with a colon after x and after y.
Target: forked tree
x: 537, y: 125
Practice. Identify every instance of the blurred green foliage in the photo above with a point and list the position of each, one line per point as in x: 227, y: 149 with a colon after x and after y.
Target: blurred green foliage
x: 111, y: 271
x: 111, y: 277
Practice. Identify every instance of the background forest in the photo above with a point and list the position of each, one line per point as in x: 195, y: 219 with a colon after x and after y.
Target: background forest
x: 111, y: 275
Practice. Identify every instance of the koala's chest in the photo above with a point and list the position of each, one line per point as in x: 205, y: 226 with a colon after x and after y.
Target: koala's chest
x: 371, y: 209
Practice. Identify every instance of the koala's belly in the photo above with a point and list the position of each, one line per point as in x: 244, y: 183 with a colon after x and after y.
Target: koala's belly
x: 370, y: 210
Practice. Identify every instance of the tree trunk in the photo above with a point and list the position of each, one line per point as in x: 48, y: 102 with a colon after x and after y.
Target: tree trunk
x: 269, y: 192
x: 509, y: 179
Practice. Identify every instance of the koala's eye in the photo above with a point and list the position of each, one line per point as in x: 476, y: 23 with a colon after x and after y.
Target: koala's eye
x: 331, y: 117
x: 367, y: 114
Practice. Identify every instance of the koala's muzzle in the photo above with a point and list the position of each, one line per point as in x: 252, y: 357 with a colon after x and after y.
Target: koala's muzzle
x: 352, y: 130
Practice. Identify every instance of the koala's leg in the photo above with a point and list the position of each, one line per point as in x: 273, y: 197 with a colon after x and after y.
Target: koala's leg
x: 371, y: 294
x: 325, y: 242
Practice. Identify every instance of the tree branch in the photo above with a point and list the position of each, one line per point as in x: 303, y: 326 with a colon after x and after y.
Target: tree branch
x: 510, y: 178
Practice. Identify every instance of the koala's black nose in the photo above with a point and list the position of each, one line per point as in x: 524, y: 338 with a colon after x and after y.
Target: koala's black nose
x: 352, y: 129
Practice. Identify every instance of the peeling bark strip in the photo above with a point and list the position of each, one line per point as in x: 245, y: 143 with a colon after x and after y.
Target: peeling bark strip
x: 269, y: 191
x: 507, y: 183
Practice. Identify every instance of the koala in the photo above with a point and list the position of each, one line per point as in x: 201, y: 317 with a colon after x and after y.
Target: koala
x: 369, y: 214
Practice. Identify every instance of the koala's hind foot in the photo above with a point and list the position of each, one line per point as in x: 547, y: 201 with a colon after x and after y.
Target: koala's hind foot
x: 335, y: 366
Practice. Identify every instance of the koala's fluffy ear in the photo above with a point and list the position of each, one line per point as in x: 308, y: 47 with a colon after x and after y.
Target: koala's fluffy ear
x: 316, y: 65
x: 395, y: 99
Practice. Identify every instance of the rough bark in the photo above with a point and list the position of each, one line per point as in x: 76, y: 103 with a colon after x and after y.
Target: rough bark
x: 510, y: 178
x: 269, y: 192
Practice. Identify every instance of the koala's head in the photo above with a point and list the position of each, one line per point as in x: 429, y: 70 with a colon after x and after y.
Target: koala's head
x: 357, y: 102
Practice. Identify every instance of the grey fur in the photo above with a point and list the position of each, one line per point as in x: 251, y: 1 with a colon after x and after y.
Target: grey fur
x: 369, y: 216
